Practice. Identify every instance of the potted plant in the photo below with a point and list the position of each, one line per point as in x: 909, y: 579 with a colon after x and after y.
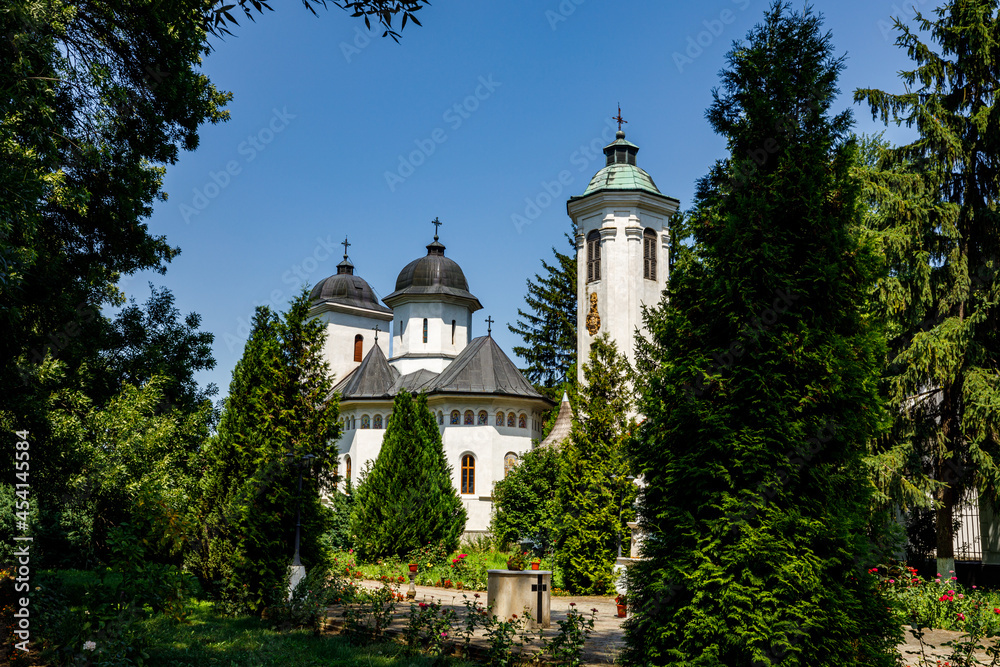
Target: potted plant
x: 535, y: 564
x: 516, y: 562
x: 622, y: 602
x: 413, y: 567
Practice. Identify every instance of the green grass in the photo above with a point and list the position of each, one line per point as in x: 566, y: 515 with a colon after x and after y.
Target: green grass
x: 247, y: 642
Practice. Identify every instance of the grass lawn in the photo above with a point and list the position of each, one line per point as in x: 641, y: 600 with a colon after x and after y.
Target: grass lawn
x: 247, y: 642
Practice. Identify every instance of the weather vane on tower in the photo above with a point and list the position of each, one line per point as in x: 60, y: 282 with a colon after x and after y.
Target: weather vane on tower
x: 619, y: 118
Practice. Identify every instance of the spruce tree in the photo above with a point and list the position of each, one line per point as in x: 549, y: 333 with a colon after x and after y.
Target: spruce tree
x: 277, y: 406
x: 935, y: 216
x: 549, y: 328
x: 407, y: 499
x: 524, y: 501
x: 759, y: 388
x: 594, y: 493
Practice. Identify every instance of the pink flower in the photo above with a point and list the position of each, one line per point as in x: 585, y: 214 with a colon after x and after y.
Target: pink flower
x: 961, y: 617
x: 892, y: 581
x: 954, y: 578
x: 960, y: 596
x: 951, y: 592
x: 572, y: 604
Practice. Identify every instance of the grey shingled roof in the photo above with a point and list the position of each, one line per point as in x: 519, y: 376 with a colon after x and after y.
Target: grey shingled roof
x: 483, y: 368
x: 561, y: 429
x: 372, y: 379
x: 413, y: 382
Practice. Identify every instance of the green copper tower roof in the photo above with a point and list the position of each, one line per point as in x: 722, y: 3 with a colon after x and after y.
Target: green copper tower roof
x: 621, y: 173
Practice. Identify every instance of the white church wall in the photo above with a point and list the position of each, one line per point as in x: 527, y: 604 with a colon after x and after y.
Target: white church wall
x: 341, y: 329
x: 442, y: 340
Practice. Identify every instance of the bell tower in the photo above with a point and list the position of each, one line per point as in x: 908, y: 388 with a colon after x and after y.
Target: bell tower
x: 622, y: 246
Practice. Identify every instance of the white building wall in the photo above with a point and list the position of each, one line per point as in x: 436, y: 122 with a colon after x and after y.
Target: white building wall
x: 341, y: 328
x: 443, y: 341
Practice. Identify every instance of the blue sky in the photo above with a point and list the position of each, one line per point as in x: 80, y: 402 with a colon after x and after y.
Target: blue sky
x: 473, y: 118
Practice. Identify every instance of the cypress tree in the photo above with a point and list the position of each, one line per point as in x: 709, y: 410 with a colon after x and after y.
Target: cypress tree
x: 935, y: 216
x: 593, y: 491
x: 759, y: 388
x: 407, y: 499
x: 549, y: 328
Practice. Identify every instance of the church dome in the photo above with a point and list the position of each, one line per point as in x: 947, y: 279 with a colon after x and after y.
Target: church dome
x: 433, y: 274
x: 346, y: 289
x: 621, y: 173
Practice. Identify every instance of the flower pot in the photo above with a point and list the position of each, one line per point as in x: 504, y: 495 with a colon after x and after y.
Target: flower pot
x: 622, y: 610
x: 413, y: 567
x: 534, y: 566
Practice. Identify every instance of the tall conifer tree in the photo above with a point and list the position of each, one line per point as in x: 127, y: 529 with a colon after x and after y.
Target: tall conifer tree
x: 593, y: 491
x: 407, y: 499
x: 760, y: 388
x: 937, y: 220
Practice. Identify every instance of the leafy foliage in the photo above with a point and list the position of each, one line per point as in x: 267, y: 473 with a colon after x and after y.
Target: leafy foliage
x: 524, y: 501
x: 594, y: 492
x: 408, y: 498
x: 759, y: 386
x: 934, y: 215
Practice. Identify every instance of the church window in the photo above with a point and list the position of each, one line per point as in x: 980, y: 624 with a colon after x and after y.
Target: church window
x: 522, y: 421
x: 484, y: 419
x: 358, y: 343
x: 453, y: 332
x: 347, y: 463
x: 365, y: 421
x: 377, y: 421
x: 593, y: 256
x: 649, y: 254
x: 468, y: 474
x: 509, y: 461
x: 440, y: 418
x: 511, y: 420
x: 425, y: 329
x: 500, y: 418
x: 456, y: 416
x: 469, y: 418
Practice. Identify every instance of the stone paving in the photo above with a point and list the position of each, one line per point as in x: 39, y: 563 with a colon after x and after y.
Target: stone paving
x: 606, y: 639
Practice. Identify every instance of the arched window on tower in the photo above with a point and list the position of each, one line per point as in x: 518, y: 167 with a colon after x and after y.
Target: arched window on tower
x: 500, y: 418
x: 522, y: 421
x: 483, y: 419
x: 453, y: 332
x: 456, y: 417
x: 593, y: 256
x: 649, y: 254
x: 469, y: 418
x: 347, y: 462
x: 511, y: 419
x: 425, y: 329
x: 377, y: 421
x: 359, y: 342
x: 468, y: 474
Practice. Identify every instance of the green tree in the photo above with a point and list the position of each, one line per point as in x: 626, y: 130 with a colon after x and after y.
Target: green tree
x: 524, y: 501
x: 935, y: 217
x: 594, y: 492
x: 278, y: 412
x: 549, y: 329
x: 759, y: 387
x: 407, y: 499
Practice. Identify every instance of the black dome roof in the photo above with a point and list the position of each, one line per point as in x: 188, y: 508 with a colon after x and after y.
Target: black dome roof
x: 347, y: 289
x: 433, y: 274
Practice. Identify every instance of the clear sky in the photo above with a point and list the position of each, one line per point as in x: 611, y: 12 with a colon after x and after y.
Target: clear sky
x: 473, y: 118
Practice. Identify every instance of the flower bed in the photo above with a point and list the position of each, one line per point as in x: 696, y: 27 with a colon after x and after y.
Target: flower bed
x: 940, y: 603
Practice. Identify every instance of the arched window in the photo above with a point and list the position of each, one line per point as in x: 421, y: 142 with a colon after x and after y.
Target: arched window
x: 347, y: 464
x: 425, y: 329
x: 470, y: 418
x: 453, y: 332
x: 509, y: 462
x: 377, y: 421
x: 468, y: 474
x: 593, y: 256
x: 522, y: 421
x: 358, y: 343
x: 649, y: 254
x: 365, y: 421
x: 500, y: 418
x: 484, y: 419
x: 456, y: 417
x: 440, y: 417
x: 511, y: 419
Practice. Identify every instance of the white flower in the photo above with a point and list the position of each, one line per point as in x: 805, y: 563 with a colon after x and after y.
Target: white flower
x: 89, y: 646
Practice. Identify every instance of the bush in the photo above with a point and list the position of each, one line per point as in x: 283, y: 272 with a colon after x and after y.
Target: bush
x: 524, y: 501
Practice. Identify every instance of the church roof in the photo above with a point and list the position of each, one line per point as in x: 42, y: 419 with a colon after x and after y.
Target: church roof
x: 483, y: 368
x: 621, y: 173
x: 561, y: 428
x: 413, y: 382
x: 347, y: 289
x: 372, y: 379
x: 433, y: 274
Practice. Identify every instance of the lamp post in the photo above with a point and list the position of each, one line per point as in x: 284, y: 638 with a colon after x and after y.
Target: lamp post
x: 297, y: 571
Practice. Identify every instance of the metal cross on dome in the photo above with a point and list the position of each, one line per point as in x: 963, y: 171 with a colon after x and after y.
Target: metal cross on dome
x: 619, y: 118
x: 489, y: 325
x: 437, y: 223
x: 346, y: 246
x: 376, y: 330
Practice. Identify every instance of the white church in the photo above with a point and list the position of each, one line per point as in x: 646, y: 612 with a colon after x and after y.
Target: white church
x: 488, y: 413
